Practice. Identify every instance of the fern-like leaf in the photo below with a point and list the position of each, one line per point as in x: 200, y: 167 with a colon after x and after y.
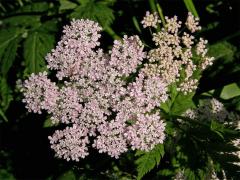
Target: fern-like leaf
x: 36, y: 46
x: 148, y: 160
x: 95, y: 10
x: 9, y: 40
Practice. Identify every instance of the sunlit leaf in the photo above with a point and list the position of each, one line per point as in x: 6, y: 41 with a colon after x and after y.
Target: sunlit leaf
x: 230, y: 91
x: 66, y: 5
x: 191, y: 7
x: 182, y: 103
x: 223, y: 50
x: 95, y: 10
x: 148, y: 160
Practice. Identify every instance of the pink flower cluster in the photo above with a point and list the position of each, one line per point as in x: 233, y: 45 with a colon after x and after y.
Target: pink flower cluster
x: 96, y: 97
x: 113, y: 97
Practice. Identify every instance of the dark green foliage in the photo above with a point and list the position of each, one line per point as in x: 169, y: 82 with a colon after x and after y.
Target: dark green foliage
x: 95, y: 10
x: 9, y: 39
x: 191, y: 7
x: 148, y: 160
x: 178, y: 102
x: 222, y: 50
x: 36, y: 46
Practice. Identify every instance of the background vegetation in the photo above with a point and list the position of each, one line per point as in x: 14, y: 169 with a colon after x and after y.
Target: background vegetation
x: 30, y: 28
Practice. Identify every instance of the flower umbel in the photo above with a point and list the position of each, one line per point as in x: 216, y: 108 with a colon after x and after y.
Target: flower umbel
x: 111, y: 101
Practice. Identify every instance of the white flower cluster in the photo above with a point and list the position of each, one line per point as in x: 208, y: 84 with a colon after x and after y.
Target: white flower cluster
x: 150, y: 20
x: 174, y: 56
x: 212, y: 109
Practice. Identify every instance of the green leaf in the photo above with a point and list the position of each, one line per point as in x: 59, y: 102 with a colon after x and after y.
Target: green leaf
x: 165, y: 172
x: 69, y: 175
x: 5, y: 94
x: 2, y: 114
x: 38, y: 7
x: 6, y: 36
x: 173, y: 94
x: 48, y: 123
x: 4, y: 174
x: 217, y: 128
x: 36, y: 46
x: 9, y: 39
x: 191, y: 7
x: 148, y: 160
x: 49, y: 27
x: 230, y: 91
x: 67, y: 5
x: 223, y: 147
x: 182, y: 103
x: 136, y: 24
x: 9, y: 56
x: 189, y: 174
x: 95, y: 10
x: 178, y: 103
x: 22, y: 21
x: 160, y: 12
x: 223, y: 50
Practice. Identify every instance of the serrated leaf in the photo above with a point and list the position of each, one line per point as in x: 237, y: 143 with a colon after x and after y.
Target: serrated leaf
x: 217, y: 128
x: 36, y: 46
x: 5, y: 94
x: 230, y: 91
x: 189, y: 174
x: 67, y: 5
x: 9, y: 56
x: 182, y: 103
x: 148, y: 160
x: 223, y: 50
x: 34, y: 7
x: 166, y: 172
x: 95, y: 10
x: 49, y: 27
x: 22, y: 21
x: 6, y: 37
x: 9, y: 39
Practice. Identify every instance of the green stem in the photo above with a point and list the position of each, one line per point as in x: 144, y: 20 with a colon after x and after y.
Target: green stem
x: 2, y: 7
x: 160, y: 12
x: 236, y: 34
x: 20, y: 3
x: 136, y: 24
x: 111, y: 32
x: 152, y: 5
x: 191, y: 7
x: 3, y: 115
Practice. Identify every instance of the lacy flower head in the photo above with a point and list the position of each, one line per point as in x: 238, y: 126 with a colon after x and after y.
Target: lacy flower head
x: 113, y: 97
x: 212, y: 109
